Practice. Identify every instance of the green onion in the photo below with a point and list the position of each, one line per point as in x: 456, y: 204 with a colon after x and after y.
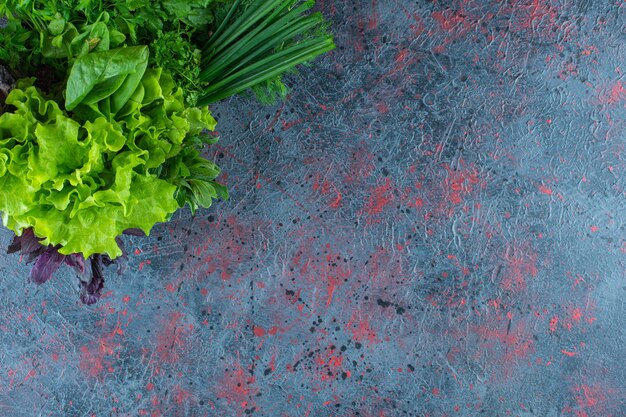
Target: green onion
x: 266, y: 40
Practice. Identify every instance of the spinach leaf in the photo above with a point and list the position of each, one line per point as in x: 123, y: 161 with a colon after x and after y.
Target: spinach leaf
x: 130, y: 84
x: 104, y: 68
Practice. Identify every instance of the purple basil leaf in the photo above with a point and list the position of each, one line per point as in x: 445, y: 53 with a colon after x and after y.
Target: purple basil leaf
x: 91, y: 291
x: 31, y: 256
x: 15, y: 245
x: 27, y: 243
x: 134, y: 232
x: 120, y: 243
x: 46, y: 265
x: 30, y: 243
x: 122, y: 260
x: 107, y: 261
x: 76, y: 261
x: 122, y: 263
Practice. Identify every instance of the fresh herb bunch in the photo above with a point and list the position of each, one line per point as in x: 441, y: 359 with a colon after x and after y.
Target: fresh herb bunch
x: 256, y: 42
x: 101, y: 135
x: 213, y: 48
x: 13, y: 40
x: 79, y: 182
x: 55, y: 33
x: 175, y: 51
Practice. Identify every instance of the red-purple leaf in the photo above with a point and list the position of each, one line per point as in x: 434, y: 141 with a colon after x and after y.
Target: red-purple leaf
x: 30, y: 243
x: 34, y: 255
x: 46, y: 265
x: 134, y: 232
x: 91, y: 291
x: 15, y: 245
x: 27, y: 242
x: 121, y: 260
x: 76, y: 261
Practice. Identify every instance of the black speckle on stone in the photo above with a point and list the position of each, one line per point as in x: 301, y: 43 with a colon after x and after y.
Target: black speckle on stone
x: 383, y: 304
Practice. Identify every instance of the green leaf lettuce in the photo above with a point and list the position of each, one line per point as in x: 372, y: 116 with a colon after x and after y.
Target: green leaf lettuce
x: 81, y: 185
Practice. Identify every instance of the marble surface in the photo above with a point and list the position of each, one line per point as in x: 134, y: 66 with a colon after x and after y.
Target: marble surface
x: 432, y: 224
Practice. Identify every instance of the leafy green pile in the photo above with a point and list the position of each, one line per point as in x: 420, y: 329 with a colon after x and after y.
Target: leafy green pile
x: 104, y: 132
x: 213, y: 48
x: 81, y: 185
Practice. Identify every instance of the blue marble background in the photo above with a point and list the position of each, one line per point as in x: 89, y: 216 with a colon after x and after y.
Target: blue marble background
x: 432, y: 224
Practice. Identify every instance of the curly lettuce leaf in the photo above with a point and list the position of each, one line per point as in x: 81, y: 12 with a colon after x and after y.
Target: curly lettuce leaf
x: 77, y: 186
x: 81, y: 185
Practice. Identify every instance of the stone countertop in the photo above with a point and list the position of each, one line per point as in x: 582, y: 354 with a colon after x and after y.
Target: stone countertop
x: 432, y: 224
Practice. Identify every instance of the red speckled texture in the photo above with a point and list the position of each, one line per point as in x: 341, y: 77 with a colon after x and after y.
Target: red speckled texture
x: 432, y: 224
